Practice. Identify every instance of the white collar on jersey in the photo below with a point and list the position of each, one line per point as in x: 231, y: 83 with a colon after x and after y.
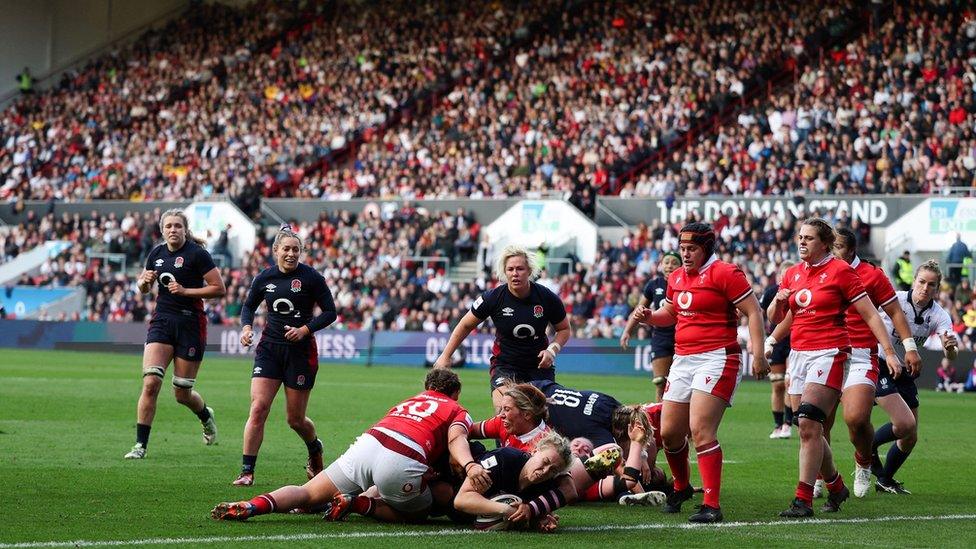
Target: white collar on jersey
x: 822, y: 262
x: 856, y: 262
x: 701, y: 270
x: 533, y: 433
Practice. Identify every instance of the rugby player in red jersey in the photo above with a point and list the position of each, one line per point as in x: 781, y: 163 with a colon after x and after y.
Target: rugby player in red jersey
x: 393, y: 455
x: 702, y: 300
x: 862, y: 378
x: 812, y: 301
x: 521, y: 420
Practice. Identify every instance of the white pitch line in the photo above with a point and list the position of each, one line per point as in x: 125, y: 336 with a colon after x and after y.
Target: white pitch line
x: 465, y: 532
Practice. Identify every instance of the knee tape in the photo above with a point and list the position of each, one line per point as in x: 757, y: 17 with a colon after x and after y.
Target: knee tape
x: 809, y: 411
x: 777, y: 378
x: 157, y: 371
x: 659, y: 380
x: 183, y: 382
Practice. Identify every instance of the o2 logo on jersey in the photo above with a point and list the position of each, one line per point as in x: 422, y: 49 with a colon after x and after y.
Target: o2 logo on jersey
x: 684, y: 300
x: 166, y: 278
x: 523, y: 331
x: 283, y: 306
x: 296, y: 285
x: 804, y: 298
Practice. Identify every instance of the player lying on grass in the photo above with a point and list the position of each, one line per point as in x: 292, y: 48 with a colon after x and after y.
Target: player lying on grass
x: 393, y: 455
x: 532, y: 477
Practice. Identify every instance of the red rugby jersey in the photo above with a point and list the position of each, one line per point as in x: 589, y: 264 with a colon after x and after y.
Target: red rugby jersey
x: 704, y: 301
x: 881, y: 293
x: 494, y: 428
x: 653, y: 412
x: 821, y: 295
x: 425, y: 419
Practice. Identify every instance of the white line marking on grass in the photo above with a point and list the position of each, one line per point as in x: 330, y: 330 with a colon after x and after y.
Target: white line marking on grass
x: 466, y: 532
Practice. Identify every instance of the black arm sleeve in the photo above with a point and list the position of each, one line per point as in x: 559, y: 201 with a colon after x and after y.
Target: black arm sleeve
x: 251, y: 303
x: 327, y: 304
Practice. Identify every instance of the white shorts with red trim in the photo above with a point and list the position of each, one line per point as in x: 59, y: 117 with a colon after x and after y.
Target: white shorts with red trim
x: 823, y: 367
x: 399, y: 478
x: 715, y: 372
x: 864, y: 368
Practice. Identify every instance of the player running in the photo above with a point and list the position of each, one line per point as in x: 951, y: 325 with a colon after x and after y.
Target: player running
x: 185, y: 275
x: 812, y: 303
x: 287, y: 353
x: 702, y: 299
x: 521, y: 311
x: 899, y: 396
x: 393, y: 455
x: 662, y: 338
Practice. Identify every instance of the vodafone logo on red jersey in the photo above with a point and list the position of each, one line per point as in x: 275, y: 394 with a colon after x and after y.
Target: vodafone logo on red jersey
x: 804, y: 298
x: 684, y: 300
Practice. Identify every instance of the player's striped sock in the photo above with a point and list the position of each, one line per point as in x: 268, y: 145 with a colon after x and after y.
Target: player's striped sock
x: 363, y: 505
x: 678, y: 462
x: 263, y: 504
x: 710, y: 468
x: 804, y: 493
x: 835, y: 484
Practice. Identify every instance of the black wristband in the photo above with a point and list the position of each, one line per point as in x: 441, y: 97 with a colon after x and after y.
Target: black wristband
x: 469, y: 463
x: 633, y: 473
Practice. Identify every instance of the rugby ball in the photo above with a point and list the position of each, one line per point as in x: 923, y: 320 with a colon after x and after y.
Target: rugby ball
x: 496, y: 521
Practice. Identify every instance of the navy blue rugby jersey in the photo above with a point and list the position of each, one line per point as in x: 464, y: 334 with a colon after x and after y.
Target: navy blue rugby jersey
x: 186, y: 266
x: 504, y: 466
x: 574, y: 413
x: 291, y: 299
x: 520, y: 324
x: 655, y: 291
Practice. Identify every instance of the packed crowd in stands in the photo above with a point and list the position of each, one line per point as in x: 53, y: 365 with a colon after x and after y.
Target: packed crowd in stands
x: 547, y: 98
x: 370, y: 261
x: 892, y: 112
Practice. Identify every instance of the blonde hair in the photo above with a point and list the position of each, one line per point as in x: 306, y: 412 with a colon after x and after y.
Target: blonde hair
x: 286, y: 232
x: 528, y: 398
x: 931, y: 266
x: 560, y: 444
x: 785, y: 266
x: 176, y: 212
x: 511, y: 251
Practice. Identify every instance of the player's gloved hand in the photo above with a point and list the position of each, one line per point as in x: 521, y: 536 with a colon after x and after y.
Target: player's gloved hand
x: 768, y: 345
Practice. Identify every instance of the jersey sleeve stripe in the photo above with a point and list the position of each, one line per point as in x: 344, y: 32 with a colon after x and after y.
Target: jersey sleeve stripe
x: 461, y: 423
x: 859, y: 296
x: 892, y: 300
x: 745, y: 294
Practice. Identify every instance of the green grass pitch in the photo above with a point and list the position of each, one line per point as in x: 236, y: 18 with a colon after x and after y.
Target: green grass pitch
x: 66, y: 419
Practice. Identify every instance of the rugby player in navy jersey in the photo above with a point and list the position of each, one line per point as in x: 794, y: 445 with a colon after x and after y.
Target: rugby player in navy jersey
x: 522, y: 311
x: 782, y: 410
x: 185, y: 275
x: 662, y: 337
x: 612, y: 428
x: 898, y: 396
x: 529, y: 476
x: 287, y: 353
